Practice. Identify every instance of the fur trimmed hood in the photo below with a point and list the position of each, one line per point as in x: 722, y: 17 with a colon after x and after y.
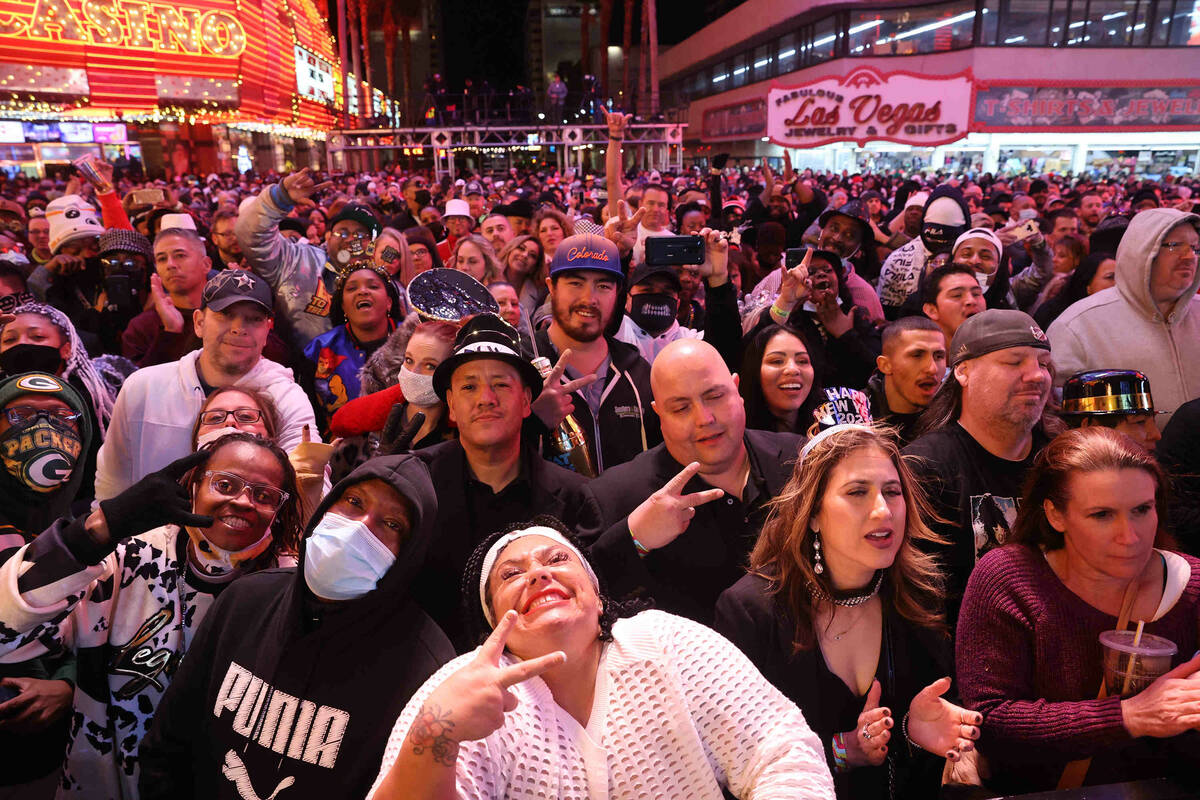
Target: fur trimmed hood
x: 383, y: 367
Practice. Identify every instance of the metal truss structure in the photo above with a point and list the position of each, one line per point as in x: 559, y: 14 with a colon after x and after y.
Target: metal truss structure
x: 654, y: 145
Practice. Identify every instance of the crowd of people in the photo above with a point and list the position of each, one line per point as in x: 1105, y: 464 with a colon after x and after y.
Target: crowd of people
x: 625, y: 484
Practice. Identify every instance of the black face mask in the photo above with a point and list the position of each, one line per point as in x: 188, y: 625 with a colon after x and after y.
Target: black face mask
x: 940, y: 238
x: 653, y: 313
x: 30, y: 358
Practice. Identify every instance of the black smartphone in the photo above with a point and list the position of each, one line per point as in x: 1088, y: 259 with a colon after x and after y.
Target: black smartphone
x: 672, y: 250
x: 720, y: 160
x: 793, y: 256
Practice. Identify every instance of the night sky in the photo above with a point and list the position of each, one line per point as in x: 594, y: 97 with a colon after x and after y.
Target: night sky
x: 487, y: 39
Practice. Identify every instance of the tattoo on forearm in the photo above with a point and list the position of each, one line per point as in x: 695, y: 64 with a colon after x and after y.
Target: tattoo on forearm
x: 429, y: 732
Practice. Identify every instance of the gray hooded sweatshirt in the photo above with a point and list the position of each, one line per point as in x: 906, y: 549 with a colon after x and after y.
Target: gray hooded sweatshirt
x: 1122, y: 328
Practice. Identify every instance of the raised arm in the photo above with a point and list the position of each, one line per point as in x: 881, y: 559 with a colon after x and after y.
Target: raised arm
x: 617, y: 125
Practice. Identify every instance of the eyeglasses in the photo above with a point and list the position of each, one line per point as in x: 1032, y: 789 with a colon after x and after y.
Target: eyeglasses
x: 358, y: 236
x: 242, y: 416
x: 1173, y: 247
x: 18, y: 414
x: 418, y: 252
x: 229, y: 485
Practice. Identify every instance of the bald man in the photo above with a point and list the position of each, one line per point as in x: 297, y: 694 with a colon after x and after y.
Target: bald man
x: 677, y: 522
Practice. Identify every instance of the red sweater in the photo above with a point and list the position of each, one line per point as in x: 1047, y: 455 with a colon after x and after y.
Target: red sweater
x: 1029, y: 658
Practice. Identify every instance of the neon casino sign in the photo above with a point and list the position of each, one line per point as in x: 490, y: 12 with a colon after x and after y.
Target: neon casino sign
x: 129, y: 24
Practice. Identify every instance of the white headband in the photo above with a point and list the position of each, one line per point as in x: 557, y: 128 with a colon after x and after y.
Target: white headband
x: 825, y: 434
x: 504, y: 541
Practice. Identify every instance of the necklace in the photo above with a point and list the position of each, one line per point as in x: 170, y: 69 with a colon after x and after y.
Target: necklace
x: 846, y: 600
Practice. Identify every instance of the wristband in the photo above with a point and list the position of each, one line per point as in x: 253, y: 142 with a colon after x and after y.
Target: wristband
x: 840, y: 762
x: 777, y: 311
x: 642, y: 550
x: 612, y: 138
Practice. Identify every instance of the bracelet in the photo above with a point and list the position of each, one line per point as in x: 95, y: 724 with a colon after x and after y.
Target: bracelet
x: 777, y: 311
x: 642, y: 549
x: 840, y: 762
x: 612, y: 138
x: 912, y: 746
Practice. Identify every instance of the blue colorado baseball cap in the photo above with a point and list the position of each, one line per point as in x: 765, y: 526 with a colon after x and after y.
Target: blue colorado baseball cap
x: 585, y: 251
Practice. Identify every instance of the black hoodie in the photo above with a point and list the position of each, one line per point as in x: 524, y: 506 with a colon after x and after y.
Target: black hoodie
x: 278, y: 692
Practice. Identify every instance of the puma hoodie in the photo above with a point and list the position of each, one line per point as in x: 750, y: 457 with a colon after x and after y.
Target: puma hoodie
x: 281, y: 696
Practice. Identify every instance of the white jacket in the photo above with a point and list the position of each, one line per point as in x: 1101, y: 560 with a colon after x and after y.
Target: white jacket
x: 156, y: 410
x: 678, y: 712
x: 1121, y: 327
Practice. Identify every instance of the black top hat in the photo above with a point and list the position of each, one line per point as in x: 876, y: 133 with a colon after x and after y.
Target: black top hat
x: 486, y: 336
x: 1107, y: 391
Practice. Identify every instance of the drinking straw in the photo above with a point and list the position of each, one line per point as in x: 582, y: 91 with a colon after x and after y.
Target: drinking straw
x: 1137, y: 639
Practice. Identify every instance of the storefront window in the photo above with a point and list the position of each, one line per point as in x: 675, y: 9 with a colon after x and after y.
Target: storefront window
x: 1185, y: 24
x: 739, y: 70
x: 824, y: 42
x: 1110, y: 23
x: 763, y: 65
x: 787, y: 57
x: 907, y: 31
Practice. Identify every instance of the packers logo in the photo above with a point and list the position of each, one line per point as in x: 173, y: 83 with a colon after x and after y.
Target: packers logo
x: 39, y: 382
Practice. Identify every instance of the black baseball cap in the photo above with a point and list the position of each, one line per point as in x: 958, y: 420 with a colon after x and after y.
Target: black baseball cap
x: 360, y: 214
x: 644, y: 271
x: 235, y: 286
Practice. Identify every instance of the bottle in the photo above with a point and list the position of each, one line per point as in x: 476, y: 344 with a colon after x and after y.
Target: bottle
x: 568, y: 443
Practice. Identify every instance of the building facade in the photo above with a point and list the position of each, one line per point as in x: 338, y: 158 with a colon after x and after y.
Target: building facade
x: 1019, y: 85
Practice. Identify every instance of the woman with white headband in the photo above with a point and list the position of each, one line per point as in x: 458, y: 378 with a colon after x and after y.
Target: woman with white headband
x: 571, y: 698
x: 842, y: 612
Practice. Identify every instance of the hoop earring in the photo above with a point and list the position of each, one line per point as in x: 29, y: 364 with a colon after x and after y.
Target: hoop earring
x: 818, y: 567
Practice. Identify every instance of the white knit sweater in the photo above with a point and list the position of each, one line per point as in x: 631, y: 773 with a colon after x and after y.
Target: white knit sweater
x: 679, y: 712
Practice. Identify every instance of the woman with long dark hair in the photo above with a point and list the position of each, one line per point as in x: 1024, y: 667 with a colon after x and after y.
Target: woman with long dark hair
x: 842, y: 611
x: 779, y: 380
x: 1097, y: 271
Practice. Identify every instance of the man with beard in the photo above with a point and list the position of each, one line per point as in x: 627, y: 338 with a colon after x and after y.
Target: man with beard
x: 980, y: 435
x: 946, y: 218
x: 227, y: 251
x: 1091, y: 211
x: 301, y: 275
x: 609, y: 389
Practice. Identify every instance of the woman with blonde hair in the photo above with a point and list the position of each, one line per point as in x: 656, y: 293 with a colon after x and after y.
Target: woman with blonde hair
x: 524, y: 263
x: 551, y: 226
x: 474, y: 255
x: 842, y: 611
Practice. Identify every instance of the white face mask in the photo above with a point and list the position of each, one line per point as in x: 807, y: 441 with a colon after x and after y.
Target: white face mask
x: 984, y: 279
x: 214, y: 434
x: 418, y: 388
x: 343, y: 559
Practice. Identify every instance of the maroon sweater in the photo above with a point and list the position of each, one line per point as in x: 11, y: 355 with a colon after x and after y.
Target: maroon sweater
x: 1029, y: 658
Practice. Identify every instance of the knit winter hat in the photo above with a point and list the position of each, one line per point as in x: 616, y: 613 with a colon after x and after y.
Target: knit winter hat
x: 128, y: 241
x: 945, y: 210
x: 70, y: 218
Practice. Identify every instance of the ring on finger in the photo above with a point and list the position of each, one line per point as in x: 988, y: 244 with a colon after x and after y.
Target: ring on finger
x: 866, y: 734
